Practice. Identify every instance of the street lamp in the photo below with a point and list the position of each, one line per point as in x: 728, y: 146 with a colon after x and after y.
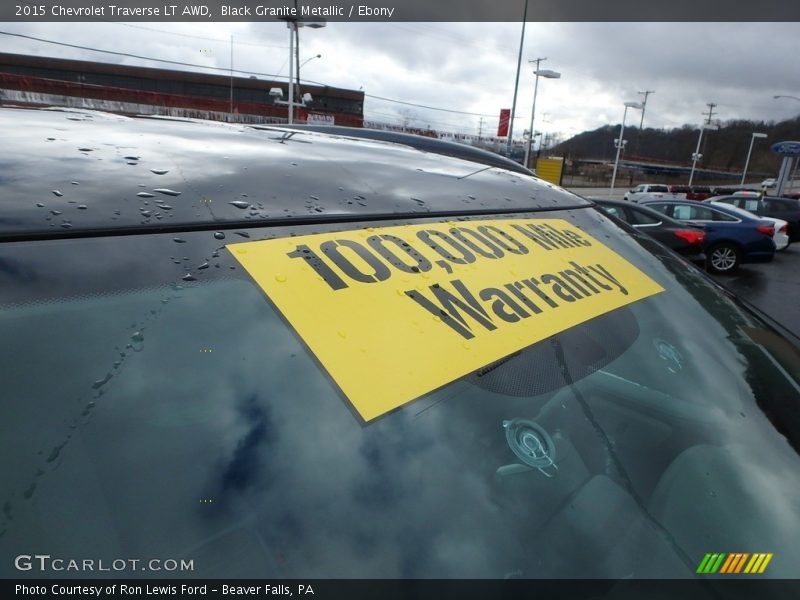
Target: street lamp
x: 302, y: 64
x: 697, y: 156
x: 620, y: 142
x: 747, y: 162
x: 308, y: 60
x: 547, y: 74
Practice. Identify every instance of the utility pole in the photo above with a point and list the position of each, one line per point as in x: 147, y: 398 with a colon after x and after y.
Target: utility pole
x: 710, y: 113
x: 710, y: 106
x: 480, y: 128
x: 646, y: 93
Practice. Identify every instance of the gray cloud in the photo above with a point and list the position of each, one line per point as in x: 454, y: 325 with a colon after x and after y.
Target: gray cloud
x: 471, y: 66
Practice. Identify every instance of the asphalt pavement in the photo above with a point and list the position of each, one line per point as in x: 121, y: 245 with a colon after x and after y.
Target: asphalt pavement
x: 773, y: 287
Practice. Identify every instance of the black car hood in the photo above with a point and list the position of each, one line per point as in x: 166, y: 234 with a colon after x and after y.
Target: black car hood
x: 67, y: 172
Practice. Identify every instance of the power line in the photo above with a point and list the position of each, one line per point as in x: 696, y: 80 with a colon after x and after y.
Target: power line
x: 228, y: 70
x: 463, y: 40
x: 415, y: 118
x: 200, y: 37
x: 128, y: 55
x: 458, y: 112
x: 186, y: 35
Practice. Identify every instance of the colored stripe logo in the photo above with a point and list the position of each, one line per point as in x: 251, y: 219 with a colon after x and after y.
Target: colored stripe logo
x: 734, y: 563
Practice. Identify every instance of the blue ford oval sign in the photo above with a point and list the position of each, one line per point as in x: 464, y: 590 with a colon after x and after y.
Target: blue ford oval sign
x: 786, y: 148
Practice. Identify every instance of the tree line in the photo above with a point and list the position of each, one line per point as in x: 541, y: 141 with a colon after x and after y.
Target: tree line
x: 725, y: 148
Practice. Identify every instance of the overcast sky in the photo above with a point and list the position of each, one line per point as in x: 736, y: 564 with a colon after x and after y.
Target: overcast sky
x: 471, y: 66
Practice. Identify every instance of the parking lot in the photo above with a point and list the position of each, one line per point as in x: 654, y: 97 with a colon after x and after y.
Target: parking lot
x: 772, y: 287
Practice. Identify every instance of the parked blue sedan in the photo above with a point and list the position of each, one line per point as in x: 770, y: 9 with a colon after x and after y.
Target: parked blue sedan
x: 731, y: 238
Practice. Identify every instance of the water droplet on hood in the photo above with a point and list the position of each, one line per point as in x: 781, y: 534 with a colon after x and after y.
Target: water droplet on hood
x: 145, y: 195
x: 189, y: 277
x: 29, y: 492
x: 55, y: 212
x: 58, y: 193
x: 242, y: 233
x: 82, y: 207
x: 160, y: 171
x: 179, y: 240
x: 167, y: 191
x: 203, y: 266
x: 219, y: 235
x: 101, y: 382
x: 55, y: 452
x: 240, y: 204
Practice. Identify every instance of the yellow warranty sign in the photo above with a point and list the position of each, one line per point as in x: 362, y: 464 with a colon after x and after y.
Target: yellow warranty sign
x: 393, y: 313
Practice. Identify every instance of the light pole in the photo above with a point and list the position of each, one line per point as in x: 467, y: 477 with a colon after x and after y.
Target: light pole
x: 548, y: 74
x: 294, y: 23
x: 621, y: 143
x: 645, y: 93
x: 696, y: 156
x: 516, y: 82
x: 747, y: 162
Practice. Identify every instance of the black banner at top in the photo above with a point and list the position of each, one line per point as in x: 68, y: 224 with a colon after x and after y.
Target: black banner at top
x: 400, y: 10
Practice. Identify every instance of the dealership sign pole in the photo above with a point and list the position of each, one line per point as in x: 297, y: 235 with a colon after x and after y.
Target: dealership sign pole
x: 790, y: 151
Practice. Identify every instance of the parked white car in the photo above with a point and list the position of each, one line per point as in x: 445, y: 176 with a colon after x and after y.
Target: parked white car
x: 781, y: 235
x: 648, y: 191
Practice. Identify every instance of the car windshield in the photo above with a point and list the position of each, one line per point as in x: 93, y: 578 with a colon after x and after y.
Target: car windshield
x: 148, y: 416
